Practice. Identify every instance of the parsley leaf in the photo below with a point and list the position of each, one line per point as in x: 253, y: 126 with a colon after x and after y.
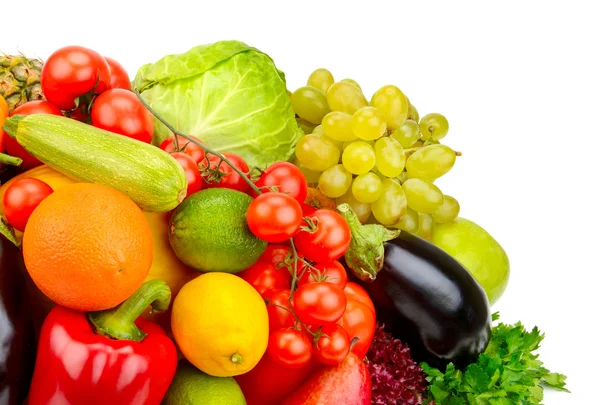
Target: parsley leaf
x: 507, y: 373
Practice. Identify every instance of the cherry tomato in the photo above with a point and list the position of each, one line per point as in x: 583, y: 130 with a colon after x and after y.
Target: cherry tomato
x: 120, y: 111
x: 185, y: 146
x: 327, y: 241
x: 308, y: 210
x: 276, y: 301
x: 192, y: 174
x: 276, y: 254
x: 274, y: 217
x: 289, y: 347
x: 72, y: 72
x: 287, y: 178
x: 269, y: 382
x: 359, y: 321
x: 119, y: 79
x: 12, y: 146
x: 230, y: 178
x: 319, y: 303
x: 333, y: 346
x: 331, y: 272
x: 21, y: 198
x: 263, y: 276
x: 356, y: 292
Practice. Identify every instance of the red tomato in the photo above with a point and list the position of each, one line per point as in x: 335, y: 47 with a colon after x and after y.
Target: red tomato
x: 289, y: 347
x: 192, y: 174
x: 276, y: 254
x: 279, y: 317
x: 332, y: 272
x: 356, y: 292
x: 274, y: 217
x: 308, y: 210
x: 329, y: 239
x: 185, y: 146
x: 21, y: 198
x: 230, y: 179
x: 269, y: 382
x: 333, y: 346
x: 72, y: 72
x: 319, y: 303
x: 287, y: 178
x: 12, y: 146
x: 263, y: 276
x: 120, y: 111
x: 119, y: 79
x: 359, y: 321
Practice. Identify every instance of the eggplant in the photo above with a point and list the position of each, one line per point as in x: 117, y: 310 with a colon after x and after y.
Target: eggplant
x: 424, y: 296
x: 17, y: 334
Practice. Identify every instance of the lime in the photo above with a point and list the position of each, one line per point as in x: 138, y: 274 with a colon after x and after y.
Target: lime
x: 193, y: 387
x: 208, y: 232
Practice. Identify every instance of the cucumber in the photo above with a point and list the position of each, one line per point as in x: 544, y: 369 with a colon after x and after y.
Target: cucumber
x: 148, y: 175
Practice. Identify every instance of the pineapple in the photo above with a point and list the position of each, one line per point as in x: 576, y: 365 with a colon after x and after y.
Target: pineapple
x: 20, y: 80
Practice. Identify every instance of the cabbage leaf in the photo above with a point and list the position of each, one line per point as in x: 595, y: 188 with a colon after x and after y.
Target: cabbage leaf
x: 228, y: 94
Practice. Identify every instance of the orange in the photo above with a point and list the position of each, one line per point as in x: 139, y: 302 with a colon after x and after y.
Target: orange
x: 87, y: 247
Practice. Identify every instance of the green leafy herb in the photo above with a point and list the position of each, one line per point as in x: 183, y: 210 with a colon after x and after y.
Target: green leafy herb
x: 507, y: 373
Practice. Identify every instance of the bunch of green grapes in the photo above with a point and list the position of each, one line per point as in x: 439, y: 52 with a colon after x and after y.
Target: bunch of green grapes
x: 377, y: 156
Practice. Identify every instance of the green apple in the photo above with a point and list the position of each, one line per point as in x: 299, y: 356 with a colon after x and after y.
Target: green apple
x: 478, y: 251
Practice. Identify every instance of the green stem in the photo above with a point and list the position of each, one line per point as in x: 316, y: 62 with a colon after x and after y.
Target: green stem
x: 295, y: 272
x: 10, y: 160
x: 366, y: 251
x: 119, y: 322
x: 201, y: 145
x: 9, y: 232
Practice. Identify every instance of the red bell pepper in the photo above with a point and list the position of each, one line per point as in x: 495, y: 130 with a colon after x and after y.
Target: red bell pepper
x: 107, y: 357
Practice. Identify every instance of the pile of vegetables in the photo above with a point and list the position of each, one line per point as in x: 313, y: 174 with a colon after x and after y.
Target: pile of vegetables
x: 301, y: 299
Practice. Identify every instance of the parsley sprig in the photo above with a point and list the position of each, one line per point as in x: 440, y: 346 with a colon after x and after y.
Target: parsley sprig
x: 507, y: 373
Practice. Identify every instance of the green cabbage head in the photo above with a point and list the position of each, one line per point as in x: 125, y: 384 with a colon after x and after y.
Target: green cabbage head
x: 229, y: 95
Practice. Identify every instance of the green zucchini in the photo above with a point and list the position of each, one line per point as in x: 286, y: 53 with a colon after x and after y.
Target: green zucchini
x: 153, y: 179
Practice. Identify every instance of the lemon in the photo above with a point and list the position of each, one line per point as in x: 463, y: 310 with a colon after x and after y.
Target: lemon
x: 220, y: 324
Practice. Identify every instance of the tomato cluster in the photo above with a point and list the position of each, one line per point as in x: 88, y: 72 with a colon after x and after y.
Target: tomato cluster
x: 82, y: 84
x: 316, y: 317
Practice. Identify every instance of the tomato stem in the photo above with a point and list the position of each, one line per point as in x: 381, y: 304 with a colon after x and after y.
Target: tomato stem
x: 200, y: 144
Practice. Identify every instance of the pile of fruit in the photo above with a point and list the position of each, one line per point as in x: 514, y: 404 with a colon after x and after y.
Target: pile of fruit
x: 292, y: 247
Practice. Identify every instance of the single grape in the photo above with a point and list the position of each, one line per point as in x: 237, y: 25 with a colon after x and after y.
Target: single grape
x: 358, y: 157
x: 320, y: 79
x: 433, y: 126
x: 338, y: 125
x: 310, y: 104
x: 422, y: 196
x: 430, y: 162
x: 352, y: 82
x: 413, y: 114
x: 389, y: 157
x: 318, y: 130
x: 407, y: 134
x: 338, y: 144
x: 312, y: 177
x: 390, y: 207
x: 393, y: 104
x: 348, y: 143
x: 409, y: 222
x: 368, y: 123
x: 307, y: 127
x: 366, y: 188
x: 316, y: 152
x: 426, y: 226
x: 448, y: 211
x: 362, y: 210
x: 335, y: 181
x: 345, y: 97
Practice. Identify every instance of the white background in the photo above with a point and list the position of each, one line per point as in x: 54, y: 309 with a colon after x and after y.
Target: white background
x: 518, y: 81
